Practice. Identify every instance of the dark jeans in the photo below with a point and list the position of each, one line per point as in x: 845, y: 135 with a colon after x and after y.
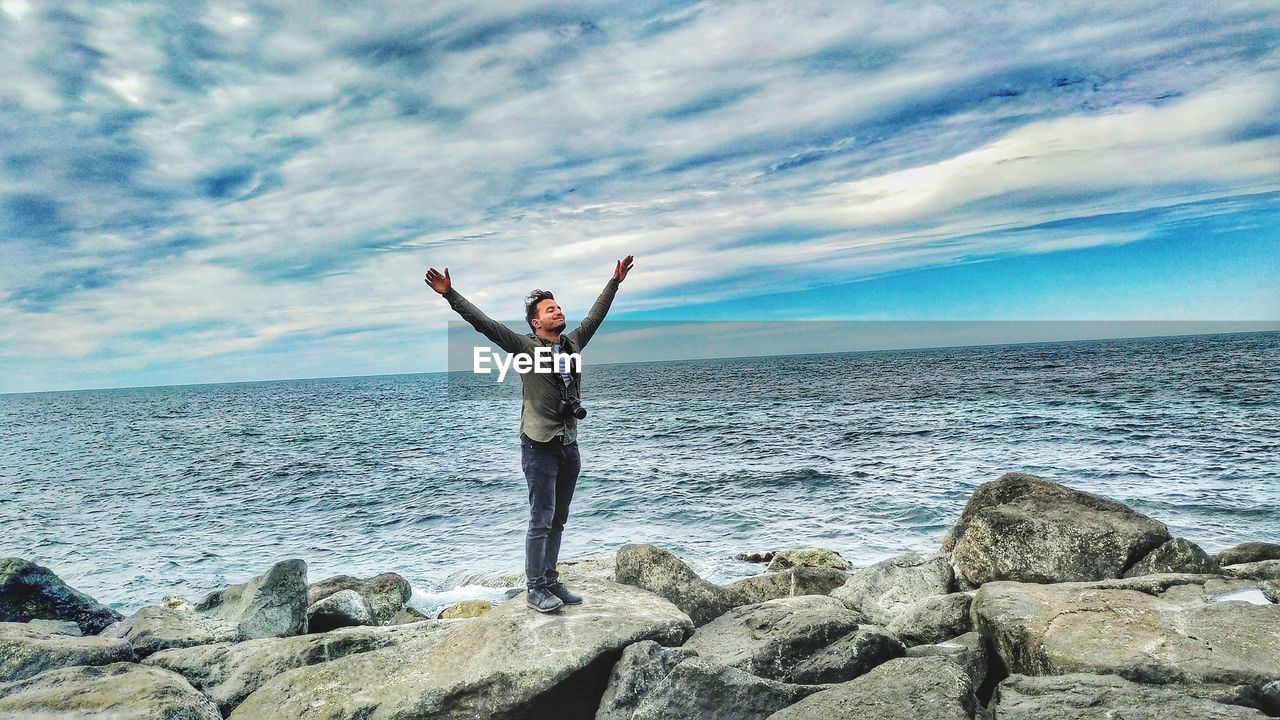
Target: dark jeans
x: 551, y: 472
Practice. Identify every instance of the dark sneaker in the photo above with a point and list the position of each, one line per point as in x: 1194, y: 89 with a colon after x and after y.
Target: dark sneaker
x: 542, y: 601
x: 562, y: 592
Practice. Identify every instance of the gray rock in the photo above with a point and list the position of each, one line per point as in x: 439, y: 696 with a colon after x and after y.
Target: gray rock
x: 884, y: 590
x: 1271, y: 698
x: 1260, y: 570
x: 767, y: 639
x: 106, y: 692
x: 273, y: 604
x: 175, y: 625
x: 699, y: 689
x: 510, y: 662
x: 345, y: 608
x: 1271, y: 590
x: 664, y: 574
x: 933, y: 619
x: 807, y: 557
x: 1179, y: 635
x: 757, y: 556
x: 27, y: 649
x: 1022, y: 527
x: 902, y: 689
x: 1086, y: 697
x: 845, y: 659
x: 385, y: 594
x: 1176, y: 556
x: 970, y: 651
x: 29, y: 591
x: 408, y: 615
x: 228, y: 673
x: 642, y: 666
x: 1249, y: 552
x: 787, y: 583
x: 59, y: 627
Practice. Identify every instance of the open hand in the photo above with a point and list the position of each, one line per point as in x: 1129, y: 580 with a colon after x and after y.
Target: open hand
x: 624, y: 267
x: 439, y: 283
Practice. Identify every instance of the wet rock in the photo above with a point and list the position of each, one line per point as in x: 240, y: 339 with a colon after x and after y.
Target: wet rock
x: 970, y: 651
x: 807, y: 557
x: 1025, y: 528
x: 884, y: 590
x: 697, y: 688
x: 29, y: 591
x: 933, y: 619
x: 642, y: 666
x: 119, y: 690
x: 27, y: 649
x: 787, y: 583
x: 664, y: 574
x: 1176, y: 556
x: 1249, y: 552
x: 1082, y: 697
x: 902, y: 689
x: 345, y: 608
x: 756, y: 557
x: 273, y: 604
x: 845, y: 659
x: 385, y: 594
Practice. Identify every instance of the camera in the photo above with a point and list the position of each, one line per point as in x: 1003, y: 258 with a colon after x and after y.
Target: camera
x: 572, y: 407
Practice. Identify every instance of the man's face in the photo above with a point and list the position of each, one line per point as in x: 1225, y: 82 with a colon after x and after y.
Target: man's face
x: 549, y: 316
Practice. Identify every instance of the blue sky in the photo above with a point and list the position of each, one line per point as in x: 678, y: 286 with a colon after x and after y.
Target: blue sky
x: 200, y: 192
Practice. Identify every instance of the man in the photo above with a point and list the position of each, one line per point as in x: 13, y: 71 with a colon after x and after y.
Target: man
x: 548, y: 429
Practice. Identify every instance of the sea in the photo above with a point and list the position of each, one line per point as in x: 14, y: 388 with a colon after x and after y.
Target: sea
x: 130, y: 495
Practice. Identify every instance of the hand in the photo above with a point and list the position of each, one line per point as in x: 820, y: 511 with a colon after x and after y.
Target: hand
x: 624, y: 267
x: 439, y: 283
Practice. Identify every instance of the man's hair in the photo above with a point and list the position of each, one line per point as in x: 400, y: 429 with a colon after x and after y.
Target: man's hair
x: 531, y: 304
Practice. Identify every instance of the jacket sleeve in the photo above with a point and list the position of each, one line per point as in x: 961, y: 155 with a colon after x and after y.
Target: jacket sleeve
x: 501, y: 335
x: 583, y: 333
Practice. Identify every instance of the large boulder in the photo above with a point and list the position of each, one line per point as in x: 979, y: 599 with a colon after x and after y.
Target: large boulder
x: 933, y: 619
x: 385, y: 594
x: 845, y: 659
x: 27, y: 649
x: 767, y: 639
x: 1176, y: 556
x: 345, y: 608
x: 106, y: 692
x: 1271, y: 590
x: 1249, y: 552
x: 176, y: 624
x: 799, y: 580
x: 642, y: 666
x: 884, y: 590
x: 1257, y: 570
x: 807, y: 557
x: 508, y: 663
x: 1083, y: 697
x: 902, y: 689
x: 662, y: 573
x: 1132, y: 628
x: 228, y: 673
x: 1025, y: 528
x: 273, y: 604
x: 29, y: 591
x: 697, y: 688
x: 970, y: 651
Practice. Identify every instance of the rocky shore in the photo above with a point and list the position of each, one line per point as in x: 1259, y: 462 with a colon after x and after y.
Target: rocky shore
x: 1043, y: 602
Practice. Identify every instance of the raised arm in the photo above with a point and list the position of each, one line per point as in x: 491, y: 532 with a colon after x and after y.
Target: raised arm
x: 600, y: 308
x: 501, y: 335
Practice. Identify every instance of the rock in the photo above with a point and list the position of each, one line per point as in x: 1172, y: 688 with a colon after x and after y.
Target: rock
x: 642, y: 666
x: 466, y: 609
x: 1176, y: 556
x: 1179, y: 635
x: 58, y: 627
x: 273, y: 604
x: 808, y: 557
x: 385, y: 594
x: 345, y: 608
x: 1260, y: 570
x: 1271, y: 698
x: 27, y: 649
x: 902, y: 689
x: 1022, y: 527
x: 597, y: 568
x: 29, y: 591
x: 768, y: 638
x: 697, y: 688
x: 510, y: 662
x: 933, y: 619
x: 160, y: 627
x: 228, y: 673
x: 107, y: 692
x: 408, y: 615
x: 592, y: 568
x: 1271, y: 590
x: 662, y: 573
x: 757, y: 557
x: 845, y: 659
x: 1249, y: 552
x: 788, y: 583
x: 884, y: 590
x: 1083, y: 697
x: 970, y: 651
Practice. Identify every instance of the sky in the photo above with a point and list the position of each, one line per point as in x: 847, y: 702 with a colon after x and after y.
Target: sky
x: 209, y: 192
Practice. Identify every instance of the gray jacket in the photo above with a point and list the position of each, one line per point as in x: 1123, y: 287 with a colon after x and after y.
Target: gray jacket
x: 540, y: 392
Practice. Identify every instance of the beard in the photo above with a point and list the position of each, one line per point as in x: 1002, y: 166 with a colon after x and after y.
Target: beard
x: 557, y: 327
